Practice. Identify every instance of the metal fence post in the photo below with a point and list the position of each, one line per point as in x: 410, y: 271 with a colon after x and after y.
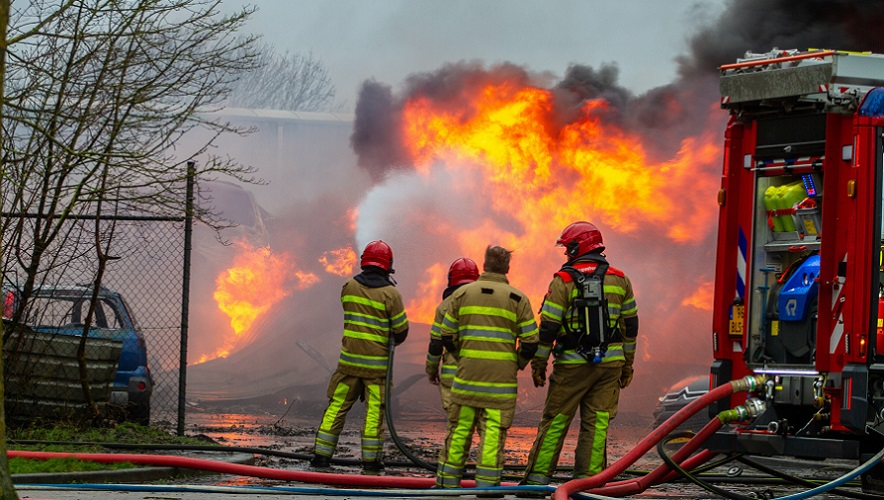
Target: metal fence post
x: 185, y: 296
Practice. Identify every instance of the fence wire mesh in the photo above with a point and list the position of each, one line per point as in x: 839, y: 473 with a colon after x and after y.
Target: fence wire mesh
x: 145, y: 268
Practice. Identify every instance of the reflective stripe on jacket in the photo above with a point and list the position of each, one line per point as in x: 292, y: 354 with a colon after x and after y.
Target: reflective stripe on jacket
x: 449, y: 363
x: 371, y: 315
x: 486, y: 317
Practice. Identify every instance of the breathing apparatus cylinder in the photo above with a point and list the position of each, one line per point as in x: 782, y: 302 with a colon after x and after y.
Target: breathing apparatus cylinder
x: 596, y: 294
x: 590, y: 302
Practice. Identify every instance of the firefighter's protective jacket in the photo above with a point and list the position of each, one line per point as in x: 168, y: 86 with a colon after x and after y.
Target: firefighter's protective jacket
x: 449, y: 363
x: 485, y: 318
x: 621, y: 305
x: 372, y: 314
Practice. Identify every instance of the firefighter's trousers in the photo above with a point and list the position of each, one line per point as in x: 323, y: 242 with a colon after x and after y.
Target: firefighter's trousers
x: 595, y: 390
x: 343, y: 391
x: 492, y: 425
x: 445, y: 391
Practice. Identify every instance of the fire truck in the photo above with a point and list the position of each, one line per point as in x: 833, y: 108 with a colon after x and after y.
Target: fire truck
x: 798, y: 278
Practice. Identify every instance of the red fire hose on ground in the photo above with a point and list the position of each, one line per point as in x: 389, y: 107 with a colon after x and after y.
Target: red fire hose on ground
x: 599, y: 480
x: 663, y: 472
x: 593, y: 485
x: 238, y: 469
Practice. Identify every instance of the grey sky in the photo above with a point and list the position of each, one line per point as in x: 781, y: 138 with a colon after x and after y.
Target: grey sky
x: 388, y: 40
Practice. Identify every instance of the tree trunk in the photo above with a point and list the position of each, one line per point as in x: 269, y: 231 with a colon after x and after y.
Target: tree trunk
x: 6, y: 488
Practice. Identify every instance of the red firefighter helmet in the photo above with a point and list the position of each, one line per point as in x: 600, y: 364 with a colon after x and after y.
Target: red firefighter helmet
x: 377, y: 253
x: 463, y: 270
x: 579, y: 238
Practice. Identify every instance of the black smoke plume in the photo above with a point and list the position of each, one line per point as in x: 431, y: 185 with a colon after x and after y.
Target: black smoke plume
x: 762, y: 25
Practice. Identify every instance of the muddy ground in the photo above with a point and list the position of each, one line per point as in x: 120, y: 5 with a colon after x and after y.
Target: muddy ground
x: 292, y: 433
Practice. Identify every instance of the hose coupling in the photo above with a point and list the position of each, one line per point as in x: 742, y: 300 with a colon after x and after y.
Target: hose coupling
x: 748, y: 383
x: 751, y: 409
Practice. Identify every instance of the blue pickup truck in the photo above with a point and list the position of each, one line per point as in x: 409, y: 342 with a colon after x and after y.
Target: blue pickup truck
x: 62, y: 310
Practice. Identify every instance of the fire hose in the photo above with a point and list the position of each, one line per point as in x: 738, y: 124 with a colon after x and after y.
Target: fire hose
x: 274, y: 490
x: 301, y: 476
x: 758, y: 466
x: 229, y: 468
x: 417, y: 487
x: 596, y: 486
x: 663, y: 472
x: 748, y: 383
x: 388, y: 415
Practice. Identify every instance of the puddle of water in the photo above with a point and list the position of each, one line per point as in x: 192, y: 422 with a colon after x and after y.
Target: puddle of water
x: 422, y: 437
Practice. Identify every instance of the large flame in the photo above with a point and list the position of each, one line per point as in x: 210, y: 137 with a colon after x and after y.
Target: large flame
x: 544, y: 174
x: 340, y: 262
x: 701, y: 298
x: 531, y: 172
x: 509, y: 133
x: 257, y: 280
x: 423, y: 307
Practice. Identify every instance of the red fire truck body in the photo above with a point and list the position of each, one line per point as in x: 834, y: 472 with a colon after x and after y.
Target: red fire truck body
x: 798, y: 275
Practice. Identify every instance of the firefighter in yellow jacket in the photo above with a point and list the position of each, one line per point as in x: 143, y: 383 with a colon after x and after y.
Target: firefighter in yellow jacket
x: 595, y: 336
x: 373, y: 317
x: 461, y: 272
x: 491, y: 327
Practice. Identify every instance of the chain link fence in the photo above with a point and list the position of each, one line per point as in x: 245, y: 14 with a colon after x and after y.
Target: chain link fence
x: 146, y: 266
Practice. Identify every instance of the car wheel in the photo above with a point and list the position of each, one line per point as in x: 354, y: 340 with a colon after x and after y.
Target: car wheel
x: 140, y: 413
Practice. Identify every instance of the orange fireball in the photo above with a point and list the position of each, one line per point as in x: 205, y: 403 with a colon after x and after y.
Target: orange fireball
x: 340, y: 262
x: 422, y: 308
x: 257, y: 280
x: 544, y: 174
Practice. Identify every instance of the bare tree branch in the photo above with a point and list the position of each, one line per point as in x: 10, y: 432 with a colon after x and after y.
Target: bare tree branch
x: 288, y: 81
x: 95, y: 96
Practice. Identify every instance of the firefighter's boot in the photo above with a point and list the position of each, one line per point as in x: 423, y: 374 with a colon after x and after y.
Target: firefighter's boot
x: 373, y: 467
x: 320, y: 461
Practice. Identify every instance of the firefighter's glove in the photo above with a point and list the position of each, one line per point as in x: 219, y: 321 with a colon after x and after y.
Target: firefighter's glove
x: 432, y: 370
x: 625, y: 376
x: 451, y: 346
x: 538, y: 372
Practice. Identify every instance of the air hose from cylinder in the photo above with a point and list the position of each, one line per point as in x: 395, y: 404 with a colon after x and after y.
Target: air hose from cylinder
x: 388, y: 415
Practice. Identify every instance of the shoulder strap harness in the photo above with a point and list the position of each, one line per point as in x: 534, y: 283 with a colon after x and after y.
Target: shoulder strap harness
x: 587, y: 315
